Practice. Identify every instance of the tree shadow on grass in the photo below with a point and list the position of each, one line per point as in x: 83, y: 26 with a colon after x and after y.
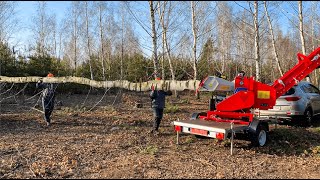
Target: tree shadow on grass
x: 14, y: 125
x: 283, y: 141
x: 292, y: 141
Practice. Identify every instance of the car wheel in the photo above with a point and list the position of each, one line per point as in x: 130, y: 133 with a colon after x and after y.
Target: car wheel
x: 308, y: 117
x: 260, y: 137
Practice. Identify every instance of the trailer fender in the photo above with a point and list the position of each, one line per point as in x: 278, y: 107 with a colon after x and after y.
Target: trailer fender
x: 194, y: 116
x: 252, y: 128
x: 254, y: 125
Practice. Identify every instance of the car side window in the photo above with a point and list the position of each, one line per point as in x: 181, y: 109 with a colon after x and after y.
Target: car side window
x: 314, y: 89
x: 309, y: 88
x: 305, y: 89
x: 290, y: 91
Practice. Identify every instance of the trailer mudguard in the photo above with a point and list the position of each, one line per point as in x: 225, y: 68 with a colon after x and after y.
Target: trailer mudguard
x: 195, y: 116
x: 253, y: 125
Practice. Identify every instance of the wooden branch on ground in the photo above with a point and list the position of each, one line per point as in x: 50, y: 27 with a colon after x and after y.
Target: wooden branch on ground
x: 143, y: 86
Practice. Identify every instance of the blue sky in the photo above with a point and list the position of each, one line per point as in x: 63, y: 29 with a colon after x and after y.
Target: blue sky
x: 27, y: 9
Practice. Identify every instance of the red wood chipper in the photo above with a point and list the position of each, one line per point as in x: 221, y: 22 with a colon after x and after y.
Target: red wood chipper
x: 235, y: 113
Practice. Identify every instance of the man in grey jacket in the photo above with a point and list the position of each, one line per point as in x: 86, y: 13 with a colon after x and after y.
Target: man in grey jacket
x: 48, y: 97
x: 158, y: 105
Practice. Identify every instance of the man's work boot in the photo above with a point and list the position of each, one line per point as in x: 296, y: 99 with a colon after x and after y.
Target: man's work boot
x: 154, y: 132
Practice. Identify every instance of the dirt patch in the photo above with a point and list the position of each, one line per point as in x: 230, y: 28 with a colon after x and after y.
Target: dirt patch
x: 111, y: 141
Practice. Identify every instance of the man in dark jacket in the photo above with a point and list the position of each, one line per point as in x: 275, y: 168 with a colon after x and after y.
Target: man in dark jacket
x: 48, y: 97
x: 158, y: 105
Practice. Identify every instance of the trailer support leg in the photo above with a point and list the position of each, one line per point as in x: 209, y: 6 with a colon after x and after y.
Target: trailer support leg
x: 177, y: 137
x: 231, y: 149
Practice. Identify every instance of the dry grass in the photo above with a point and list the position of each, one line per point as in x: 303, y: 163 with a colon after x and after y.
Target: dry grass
x: 112, y: 142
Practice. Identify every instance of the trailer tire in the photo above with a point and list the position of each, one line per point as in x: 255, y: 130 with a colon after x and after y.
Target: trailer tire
x: 260, y: 137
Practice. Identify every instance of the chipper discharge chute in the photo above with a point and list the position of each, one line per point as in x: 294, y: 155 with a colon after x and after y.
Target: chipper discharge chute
x: 215, y: 84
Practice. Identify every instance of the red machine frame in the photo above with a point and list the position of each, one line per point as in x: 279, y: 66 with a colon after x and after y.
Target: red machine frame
x: 237, y: 107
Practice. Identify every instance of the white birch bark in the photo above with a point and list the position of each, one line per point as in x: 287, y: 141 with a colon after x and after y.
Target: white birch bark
x: 273, y: 41
x: 194, y: 46
x: 141, y: 86
x: 256, y: 45
x: 154, y: 41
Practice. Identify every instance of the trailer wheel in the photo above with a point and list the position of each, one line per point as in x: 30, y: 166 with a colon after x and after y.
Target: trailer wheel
x: 260, y: 137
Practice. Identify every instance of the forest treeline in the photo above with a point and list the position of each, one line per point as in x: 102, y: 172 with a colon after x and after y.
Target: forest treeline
x: 177, y: 40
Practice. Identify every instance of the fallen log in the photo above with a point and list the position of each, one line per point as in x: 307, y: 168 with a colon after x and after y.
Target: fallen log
x: 140, y: 86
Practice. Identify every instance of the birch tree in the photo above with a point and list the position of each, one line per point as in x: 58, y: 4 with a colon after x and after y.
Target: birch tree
x: 256, y: 38
x: 101, y: 16
x: 194, y: 45
x: 154, y: 40
x: 224, y: 37
x: 73, y: 25
x: 273, y: 40
x: 314, y: 39
x: 87, y: 35
x: 42, y: 28
x: 301, y: 31
x: 164, y: 13
x: 8, y: 21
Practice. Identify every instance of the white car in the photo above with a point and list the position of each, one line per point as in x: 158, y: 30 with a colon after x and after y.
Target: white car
x: 301, y: 102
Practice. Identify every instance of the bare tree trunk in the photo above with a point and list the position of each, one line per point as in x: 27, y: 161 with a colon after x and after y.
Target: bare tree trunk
x: 154, y: 41
x: 194, y: 47
x: 122, y: 44
x: 40, y: 28
x: 273, y: 41
x: 88, y: 40
x: 164, y: 26
x: 60, y: 45
x: 55, y: 42
x: 257, y: 52
x: 42, y: 17
x: 314, y: 12
x: 161, y: 17
x: 303, y: 47
x: 162, y: 59
x: 75, y: 38
x: 101, y: 43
